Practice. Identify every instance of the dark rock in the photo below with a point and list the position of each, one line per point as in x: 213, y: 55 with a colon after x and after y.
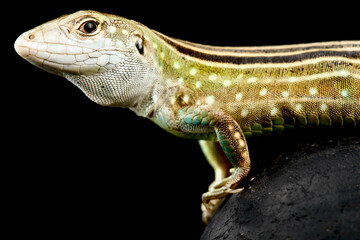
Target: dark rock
x: 313, y: 193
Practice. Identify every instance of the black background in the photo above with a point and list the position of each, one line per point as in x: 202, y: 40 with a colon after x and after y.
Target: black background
x: 74, y: 168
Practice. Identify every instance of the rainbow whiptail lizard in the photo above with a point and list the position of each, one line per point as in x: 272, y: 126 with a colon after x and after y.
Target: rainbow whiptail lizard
x: 217, y: 95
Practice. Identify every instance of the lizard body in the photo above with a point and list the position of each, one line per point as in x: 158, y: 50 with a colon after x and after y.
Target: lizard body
x: 223, y: 94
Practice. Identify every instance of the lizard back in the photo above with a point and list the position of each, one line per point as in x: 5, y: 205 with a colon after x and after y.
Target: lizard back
x: 269, y: 89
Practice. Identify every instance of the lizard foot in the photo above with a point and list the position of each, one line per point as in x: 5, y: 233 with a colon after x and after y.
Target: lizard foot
x: 212, y: 199
x: 209, y: 209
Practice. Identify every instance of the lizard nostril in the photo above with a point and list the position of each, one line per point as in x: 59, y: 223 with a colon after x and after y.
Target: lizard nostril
x: 31, y: 36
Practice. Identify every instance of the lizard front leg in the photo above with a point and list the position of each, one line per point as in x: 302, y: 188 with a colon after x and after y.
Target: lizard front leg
x: 232, y: 141
x: 209, y: 123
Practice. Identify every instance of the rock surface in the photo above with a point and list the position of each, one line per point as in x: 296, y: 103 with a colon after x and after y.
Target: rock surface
x: 310, y: 193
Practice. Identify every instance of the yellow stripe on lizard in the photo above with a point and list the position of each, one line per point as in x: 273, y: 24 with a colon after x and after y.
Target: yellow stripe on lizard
x: 217, y: 95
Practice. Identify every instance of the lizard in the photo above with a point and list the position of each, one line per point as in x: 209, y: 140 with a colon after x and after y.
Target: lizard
x: 219, y: 96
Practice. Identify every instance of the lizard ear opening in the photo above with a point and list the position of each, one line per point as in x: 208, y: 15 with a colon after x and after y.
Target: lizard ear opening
x: 139, y: 44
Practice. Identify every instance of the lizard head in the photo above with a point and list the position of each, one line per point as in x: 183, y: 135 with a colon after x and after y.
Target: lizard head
x: 106, y: 56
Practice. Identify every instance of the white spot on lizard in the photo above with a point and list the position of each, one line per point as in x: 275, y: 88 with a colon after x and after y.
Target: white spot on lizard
x: 252, y: 80
x: 298, y: 107
x: 176, y: 65
x: 212, y: 77
x: 323, y: 107
x: 313, y: 91
x: 244, y: 112
x: 226, y: 83
x: 263, y: 92
x: 210, y: 99
x: 344, y: 93
x: 193, y: 71
x: 238, y: 96
x: 198, y: 84
x: 273, y: 111
x: 285, y: 94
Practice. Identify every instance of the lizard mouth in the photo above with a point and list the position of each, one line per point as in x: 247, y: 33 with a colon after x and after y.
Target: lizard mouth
x: 31, y: 48
x: 58, y: 54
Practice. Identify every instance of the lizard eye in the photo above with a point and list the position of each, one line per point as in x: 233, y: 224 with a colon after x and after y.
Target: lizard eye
x: 89, y: 27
